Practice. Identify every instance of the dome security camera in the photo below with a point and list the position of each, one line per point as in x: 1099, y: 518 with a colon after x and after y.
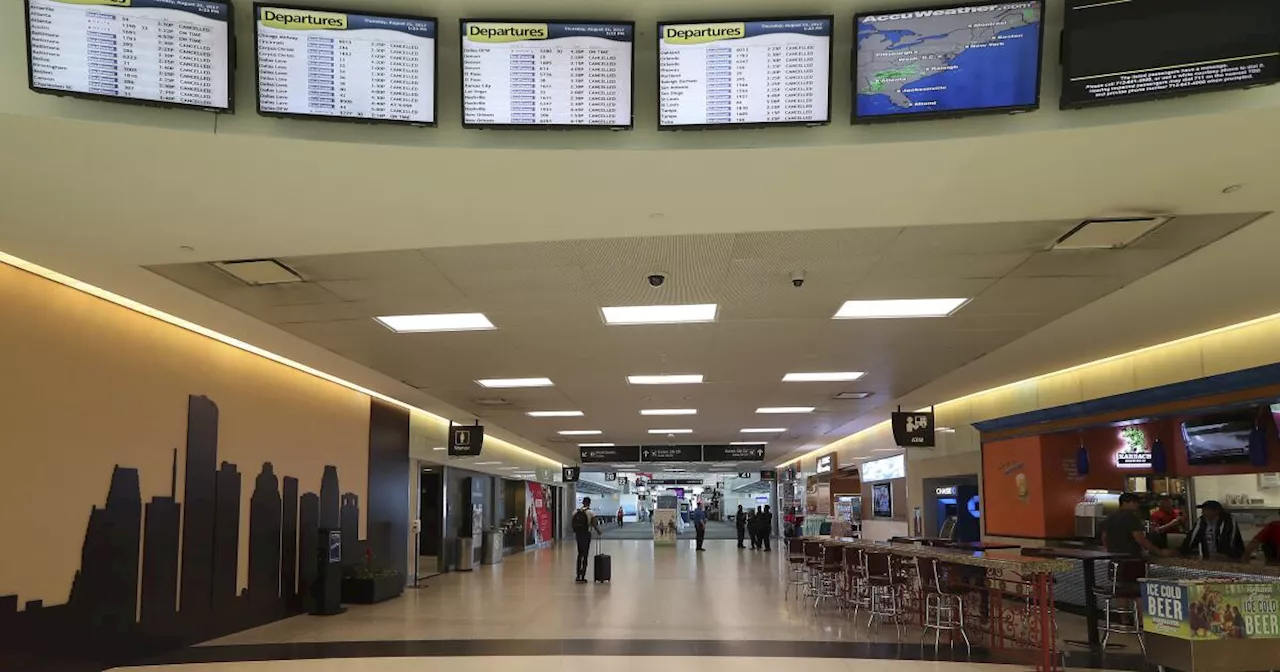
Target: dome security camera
x: 657, y: 279
x: 797, y: 279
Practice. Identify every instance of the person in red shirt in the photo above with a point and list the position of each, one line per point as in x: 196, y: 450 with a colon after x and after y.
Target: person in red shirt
x: 1268, y: 539
x: 1165, y: 519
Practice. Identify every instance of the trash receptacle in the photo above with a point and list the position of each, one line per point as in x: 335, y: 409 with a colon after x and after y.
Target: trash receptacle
x: 491, y: 549
x: 466, y: 554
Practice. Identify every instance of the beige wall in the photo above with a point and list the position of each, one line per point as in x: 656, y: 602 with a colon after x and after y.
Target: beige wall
x: 86, y: 385
x: 1233, y: 348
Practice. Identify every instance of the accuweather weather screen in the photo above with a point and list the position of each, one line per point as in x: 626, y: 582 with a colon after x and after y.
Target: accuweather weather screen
x: 948, y: 61
x: 366, y: 67
x: 744, y: 72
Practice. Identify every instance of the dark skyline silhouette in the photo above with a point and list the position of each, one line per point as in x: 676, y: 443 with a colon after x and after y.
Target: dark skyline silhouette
x: 104, y: 619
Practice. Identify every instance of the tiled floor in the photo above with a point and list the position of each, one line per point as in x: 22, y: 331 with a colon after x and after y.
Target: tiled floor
x: 663, y: 601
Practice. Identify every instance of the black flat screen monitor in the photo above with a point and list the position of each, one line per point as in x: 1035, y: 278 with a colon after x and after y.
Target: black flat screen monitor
x: 1219, y: 438
x: 170, y: 53
x: 947, y: 61
x: 547, y: 74
x: 1134, y: 50
x: 351, y: 66
x: 744, y: 73
x: 881, y: 500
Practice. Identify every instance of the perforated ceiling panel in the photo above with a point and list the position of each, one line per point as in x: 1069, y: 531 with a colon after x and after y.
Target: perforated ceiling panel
x: 545, y: 300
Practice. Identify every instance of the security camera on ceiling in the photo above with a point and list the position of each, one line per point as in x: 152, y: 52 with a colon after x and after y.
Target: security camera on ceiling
x: 657, y: 279
x: 797, y: 279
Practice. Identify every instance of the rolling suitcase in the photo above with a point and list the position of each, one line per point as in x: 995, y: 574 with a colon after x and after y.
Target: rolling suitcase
x: 603, y: 566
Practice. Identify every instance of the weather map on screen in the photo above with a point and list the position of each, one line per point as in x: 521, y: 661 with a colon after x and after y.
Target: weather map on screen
x: 948, y: 61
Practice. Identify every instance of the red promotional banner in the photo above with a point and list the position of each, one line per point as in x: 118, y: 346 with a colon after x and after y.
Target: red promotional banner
x: 538, y: 517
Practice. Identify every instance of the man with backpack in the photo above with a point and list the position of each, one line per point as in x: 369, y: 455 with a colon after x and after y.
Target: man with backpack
x: 584, y: 523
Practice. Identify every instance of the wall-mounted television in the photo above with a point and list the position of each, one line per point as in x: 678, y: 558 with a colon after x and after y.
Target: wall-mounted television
x: 339, y: 65
x: 547, y: 74
x: 1123, y: 52
x: 881, y: 500
x: 1219, y: 438
x: 947, y: 61
x: 744, y: 73
x: 169, y: 53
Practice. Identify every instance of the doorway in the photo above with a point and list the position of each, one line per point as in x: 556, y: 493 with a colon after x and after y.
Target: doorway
x: 431, y: 513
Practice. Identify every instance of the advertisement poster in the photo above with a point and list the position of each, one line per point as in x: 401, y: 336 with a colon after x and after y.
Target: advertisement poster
x: 665, y: 531
x: 1208, y: 610
x: 538, y: 517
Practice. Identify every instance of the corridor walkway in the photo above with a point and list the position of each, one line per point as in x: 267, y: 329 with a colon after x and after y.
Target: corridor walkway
x: 723, y: 604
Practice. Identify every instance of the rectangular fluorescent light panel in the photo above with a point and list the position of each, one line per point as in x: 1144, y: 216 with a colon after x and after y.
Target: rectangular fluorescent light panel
x: 417, y: 324
x: 676, y: 379
x: 764, y: 430
x: 705, y: 312
x: 822, y: 377
x: 595, y: 445
x: 554, y: 414
x: 580, y: 432
x: 747, y: 443
x: 896, y: 308
x: 515, y: 382
x: 671, y: 431
x: 785, y: 409
x: 669, y: 411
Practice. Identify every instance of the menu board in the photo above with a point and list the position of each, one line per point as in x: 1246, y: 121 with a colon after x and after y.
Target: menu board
x: 168, y: 52
x: 546, y: 74
x: 343, y: 65
x: 744, y: 73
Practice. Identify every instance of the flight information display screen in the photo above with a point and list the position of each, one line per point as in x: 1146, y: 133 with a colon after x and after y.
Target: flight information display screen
x: 947, y: 61
x: 546, y: 74
x: 1119, y: 52
x: 167, y: 52
x: 345, y: 65
x: 744, y: 73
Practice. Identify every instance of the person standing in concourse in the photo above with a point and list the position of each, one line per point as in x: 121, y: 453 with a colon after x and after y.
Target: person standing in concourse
x: 740, y: 520
x: 584, y: 523
x: 766, y: 528
x: 699, y: 518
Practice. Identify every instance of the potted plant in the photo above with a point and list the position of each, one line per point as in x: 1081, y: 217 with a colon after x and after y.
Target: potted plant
x: 363, y: 584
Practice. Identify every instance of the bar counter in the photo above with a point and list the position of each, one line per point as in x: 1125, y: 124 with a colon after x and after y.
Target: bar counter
x: 1010, y: 560
x: 1234, y: 568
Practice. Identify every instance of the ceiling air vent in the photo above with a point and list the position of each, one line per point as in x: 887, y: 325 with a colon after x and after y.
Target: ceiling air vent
x: 492, y: 402
x: 852, y: 395
x: 259, y: 271
x: 1108, y: 233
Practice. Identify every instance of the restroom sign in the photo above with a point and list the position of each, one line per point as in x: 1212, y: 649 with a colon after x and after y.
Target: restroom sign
x: 465, y: 440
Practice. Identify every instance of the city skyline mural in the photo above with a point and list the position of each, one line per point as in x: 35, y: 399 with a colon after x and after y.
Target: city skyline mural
x: 164, y: 573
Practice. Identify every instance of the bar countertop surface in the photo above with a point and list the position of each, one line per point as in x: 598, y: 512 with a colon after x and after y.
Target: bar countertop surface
x: 1003, y: 559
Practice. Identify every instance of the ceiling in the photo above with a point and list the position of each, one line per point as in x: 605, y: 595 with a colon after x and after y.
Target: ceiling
x: 545, y: 300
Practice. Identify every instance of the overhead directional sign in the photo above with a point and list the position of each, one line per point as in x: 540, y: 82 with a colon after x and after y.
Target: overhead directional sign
x: 718, y: 453
x: 769, y: 475
x: 465, y: 440
x: 687, y: 453
x: 609, y: 454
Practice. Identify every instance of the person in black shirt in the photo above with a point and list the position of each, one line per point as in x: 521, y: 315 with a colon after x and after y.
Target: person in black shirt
x: 1215, y: 534
x: 1123, y: 532
x: 740, y: 520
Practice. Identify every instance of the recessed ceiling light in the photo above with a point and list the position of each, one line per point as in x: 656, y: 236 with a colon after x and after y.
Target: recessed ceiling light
x: 440, y: 448
x: 671, y: 431
x: 886, y: 450
x: 892, y: 308
x: 822, y: 377
x: 747, y: 443
x: 764, y: 430
x: 580, y: 432
x: 516, y: 382
x: 416, y: 324
x: 595, y: 445
x: 554, y: 414
x: 673, y: 379
x: 705, y: 312
x: 945, y: 430
x: 669, y: 411
x: 505, y: 468
x: 480, y: 464
x: 785, y: 409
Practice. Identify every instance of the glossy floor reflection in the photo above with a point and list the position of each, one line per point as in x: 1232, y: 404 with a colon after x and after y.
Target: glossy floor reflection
x: 723, y: 603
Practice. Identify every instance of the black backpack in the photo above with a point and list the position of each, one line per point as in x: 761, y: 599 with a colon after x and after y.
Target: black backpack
x: 580, y: 523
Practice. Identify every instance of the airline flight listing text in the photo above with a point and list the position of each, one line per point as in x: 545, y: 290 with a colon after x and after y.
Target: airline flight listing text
x: 353, y: 66
x: 550, y: 74
x: 165, y: 51
x: 748, y: 72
